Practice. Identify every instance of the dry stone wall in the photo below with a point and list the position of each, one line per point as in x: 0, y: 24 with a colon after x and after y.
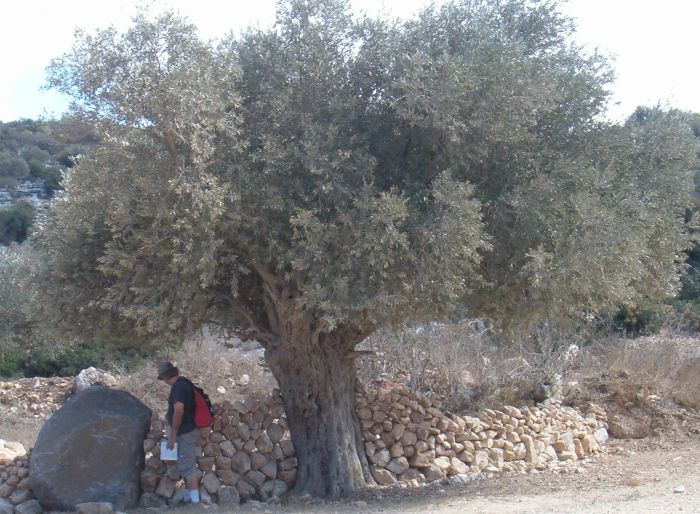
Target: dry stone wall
x: 15, y: 485
x: 409, y: 440
x: 248, y: 453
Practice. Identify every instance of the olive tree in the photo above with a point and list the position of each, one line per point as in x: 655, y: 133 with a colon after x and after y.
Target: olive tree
x: 307, y: 184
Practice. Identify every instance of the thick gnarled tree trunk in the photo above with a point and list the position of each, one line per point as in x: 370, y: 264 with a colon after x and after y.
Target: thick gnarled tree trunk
x: 317, y: 380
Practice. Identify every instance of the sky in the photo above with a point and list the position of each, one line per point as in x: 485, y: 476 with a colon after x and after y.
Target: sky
x: 652, y: 43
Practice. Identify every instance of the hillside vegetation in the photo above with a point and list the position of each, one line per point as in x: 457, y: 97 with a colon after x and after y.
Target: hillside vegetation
x: 34, y: 152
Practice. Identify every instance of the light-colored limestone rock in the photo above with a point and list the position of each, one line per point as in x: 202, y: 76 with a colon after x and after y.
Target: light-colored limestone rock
x: 382, y: 476
x: 94, y: 508
x: 380, y: 458
x: 457, y: 467
x: 398, y: 465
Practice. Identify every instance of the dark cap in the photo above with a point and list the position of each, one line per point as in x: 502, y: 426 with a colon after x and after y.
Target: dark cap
x: 166, y: 369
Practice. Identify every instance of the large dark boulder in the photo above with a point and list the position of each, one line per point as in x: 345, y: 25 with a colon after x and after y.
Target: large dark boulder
x: 91, y: 450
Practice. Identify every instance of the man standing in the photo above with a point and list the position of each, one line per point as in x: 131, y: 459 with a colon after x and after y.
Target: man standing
x: 181, y: 427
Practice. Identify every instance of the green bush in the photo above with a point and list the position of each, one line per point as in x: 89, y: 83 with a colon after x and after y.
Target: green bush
x: 67, y: 156
x: 687, y: 314
x: 36, y: 168
x: 65, y: 361
x: 68, y: 361
x: 52, y: 179
x: 36, y: 154
x: 13, y: 167
x: 15, y: 222
x: 642, y: 321
x: 51, y: 175
x: 11, y: 363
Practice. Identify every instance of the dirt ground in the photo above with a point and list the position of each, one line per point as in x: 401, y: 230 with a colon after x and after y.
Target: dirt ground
x: 634, y: 477
x: 627, y: 482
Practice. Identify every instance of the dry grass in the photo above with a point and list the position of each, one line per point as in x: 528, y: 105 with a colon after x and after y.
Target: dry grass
x: 470, y: 370
x: 666, y: 365
x: 461, y: 363
x: 466, y: 366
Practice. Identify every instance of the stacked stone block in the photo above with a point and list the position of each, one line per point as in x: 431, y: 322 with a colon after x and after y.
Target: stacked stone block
x: 15, y: 486
x: 246, y: 454
x: 409, y: 439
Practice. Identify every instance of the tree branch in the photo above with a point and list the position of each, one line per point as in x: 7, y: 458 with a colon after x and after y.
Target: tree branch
x: 316, y: 333
x: 244, y: 250
x: 266, y: 277
x: 271, y: 312
x: 360, y: 353
x: 262, y: 335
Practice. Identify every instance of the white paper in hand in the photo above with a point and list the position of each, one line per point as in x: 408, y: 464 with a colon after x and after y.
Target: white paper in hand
x: 165, y: 453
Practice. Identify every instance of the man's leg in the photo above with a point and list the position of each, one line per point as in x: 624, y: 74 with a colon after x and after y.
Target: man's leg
x: 187, y: 463
x: 192, y: 483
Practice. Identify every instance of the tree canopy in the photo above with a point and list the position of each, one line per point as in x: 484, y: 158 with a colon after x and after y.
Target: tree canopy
x: 309, y: 183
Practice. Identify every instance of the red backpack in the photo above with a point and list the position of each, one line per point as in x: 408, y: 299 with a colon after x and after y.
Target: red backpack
x: 203, y: 410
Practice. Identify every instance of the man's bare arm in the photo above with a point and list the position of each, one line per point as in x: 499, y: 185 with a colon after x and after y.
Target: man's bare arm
x: 178, y: 412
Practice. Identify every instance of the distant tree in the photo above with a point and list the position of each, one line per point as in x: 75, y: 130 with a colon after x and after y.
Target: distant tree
x: 308, y: 184
x: 36, y: 168
x: 67, y: 157
x: 52, y: 176
x: 15, y: 222
x: 11, y: 166
x: 34, y: 153
x: 21, y: 134
x: 16, y: 297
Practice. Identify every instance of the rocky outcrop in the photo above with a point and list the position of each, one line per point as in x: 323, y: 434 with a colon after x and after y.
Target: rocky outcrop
x: 91, y: 450
x: 10, y: 451
x: 33, y: 192
x: 93, y: 376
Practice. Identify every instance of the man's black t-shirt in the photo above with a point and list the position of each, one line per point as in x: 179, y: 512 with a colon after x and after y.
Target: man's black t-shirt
x: 182, y: 391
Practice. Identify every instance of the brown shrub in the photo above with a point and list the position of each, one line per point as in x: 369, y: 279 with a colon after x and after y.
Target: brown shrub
x: 466, y: 366
x: 647, y: 370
